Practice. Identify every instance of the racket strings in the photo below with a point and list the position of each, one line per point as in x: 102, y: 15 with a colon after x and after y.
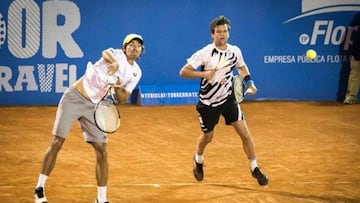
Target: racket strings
x: 106, y: 115
x: 238, y: 88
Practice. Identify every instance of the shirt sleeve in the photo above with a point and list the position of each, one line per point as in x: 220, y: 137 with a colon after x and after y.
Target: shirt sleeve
x: 197, y: 59
x: 240, y: 61
x: 118, y: 55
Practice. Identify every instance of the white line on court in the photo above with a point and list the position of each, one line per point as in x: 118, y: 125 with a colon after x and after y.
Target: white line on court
x: 219, y: 184
x: 174, y: 184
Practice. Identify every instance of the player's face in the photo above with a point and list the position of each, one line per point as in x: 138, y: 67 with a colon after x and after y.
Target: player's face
x: 133, y: 50
x: 220, y: 35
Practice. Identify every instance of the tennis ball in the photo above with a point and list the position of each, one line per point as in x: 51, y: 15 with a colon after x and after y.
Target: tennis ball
x: 311, y: 54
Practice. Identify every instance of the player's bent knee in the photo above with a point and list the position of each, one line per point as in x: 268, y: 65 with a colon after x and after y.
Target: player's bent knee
x: 208, y: 137
x: 57, y: 142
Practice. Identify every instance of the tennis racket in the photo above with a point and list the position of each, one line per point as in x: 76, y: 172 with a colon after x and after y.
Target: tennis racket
x: 238, y: 88
x: 106, y: 114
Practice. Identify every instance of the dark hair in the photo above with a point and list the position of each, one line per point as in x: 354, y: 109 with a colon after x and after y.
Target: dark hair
x: 221, y: 20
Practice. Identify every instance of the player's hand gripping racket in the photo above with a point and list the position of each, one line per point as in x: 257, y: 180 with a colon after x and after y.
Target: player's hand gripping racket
x: 107, y: 115
x: 240, y: 89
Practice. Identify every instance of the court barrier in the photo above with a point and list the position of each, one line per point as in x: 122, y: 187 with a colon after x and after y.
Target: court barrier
x: 165, y: 94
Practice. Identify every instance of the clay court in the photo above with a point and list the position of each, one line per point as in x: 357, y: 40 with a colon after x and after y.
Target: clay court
x: 309, y: 150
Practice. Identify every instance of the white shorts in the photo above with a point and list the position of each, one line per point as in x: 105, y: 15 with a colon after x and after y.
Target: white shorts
x: 73, y: 106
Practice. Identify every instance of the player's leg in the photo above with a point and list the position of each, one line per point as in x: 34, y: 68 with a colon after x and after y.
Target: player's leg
x: 353, y: 82
x: 249, y: 148
x: 46, y: 168
x: 98, y: 140
x: 67, y: 112
x: 208, y: 118
x: 65, y: 115
x: 102, y: 170
x: 51, y: 155
x: 246, y: 138
x: 234, y: 116
x: 203, y: 140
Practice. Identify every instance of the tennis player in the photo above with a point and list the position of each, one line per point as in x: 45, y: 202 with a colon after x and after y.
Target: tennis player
x: 78, y: 102
x: 216, y: 96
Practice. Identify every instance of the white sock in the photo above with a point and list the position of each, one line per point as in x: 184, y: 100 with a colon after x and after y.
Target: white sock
x: 42, y: 180
x: 101, y: 193
x: 199, y: 158
x: 253, y: 164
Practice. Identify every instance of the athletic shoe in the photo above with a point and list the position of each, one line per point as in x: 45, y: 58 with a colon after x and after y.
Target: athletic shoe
x: 350, y: 101
x: 40, y: 195
x: 261, y: 178
x: 198, y: 171
x: 96, y: 201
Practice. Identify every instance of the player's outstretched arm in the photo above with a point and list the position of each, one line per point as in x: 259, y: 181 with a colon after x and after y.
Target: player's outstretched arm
x: 108, y: 56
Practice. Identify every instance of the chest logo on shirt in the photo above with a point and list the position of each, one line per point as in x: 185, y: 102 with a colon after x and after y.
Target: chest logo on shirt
x: 223, y: 59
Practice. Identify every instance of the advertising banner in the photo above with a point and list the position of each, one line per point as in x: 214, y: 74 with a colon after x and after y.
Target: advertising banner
x: 45, y: 45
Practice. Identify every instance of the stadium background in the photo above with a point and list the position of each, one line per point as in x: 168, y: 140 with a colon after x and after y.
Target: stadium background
x: 309, y: 149
x: 45, y: 46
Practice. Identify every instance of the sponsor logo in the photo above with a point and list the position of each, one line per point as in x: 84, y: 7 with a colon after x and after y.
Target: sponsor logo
x: 327, y: 32
x: 314, y: 7
x: 41, y: 29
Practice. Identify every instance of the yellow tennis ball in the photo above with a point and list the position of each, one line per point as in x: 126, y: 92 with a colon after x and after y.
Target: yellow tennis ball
x: 311, y: 54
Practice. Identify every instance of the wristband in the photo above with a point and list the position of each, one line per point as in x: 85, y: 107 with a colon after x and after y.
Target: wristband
x: 248, y: 80
x: 247, y: 83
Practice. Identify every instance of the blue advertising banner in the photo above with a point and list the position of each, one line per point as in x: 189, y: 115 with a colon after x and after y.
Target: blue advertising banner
x: 168, y: 94
x: 45, y: 45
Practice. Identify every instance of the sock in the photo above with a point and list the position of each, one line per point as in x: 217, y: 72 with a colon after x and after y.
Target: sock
x: 253, y: 164
x: 199, y: 158
x: 42, y: 180
x: 101, y: 193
